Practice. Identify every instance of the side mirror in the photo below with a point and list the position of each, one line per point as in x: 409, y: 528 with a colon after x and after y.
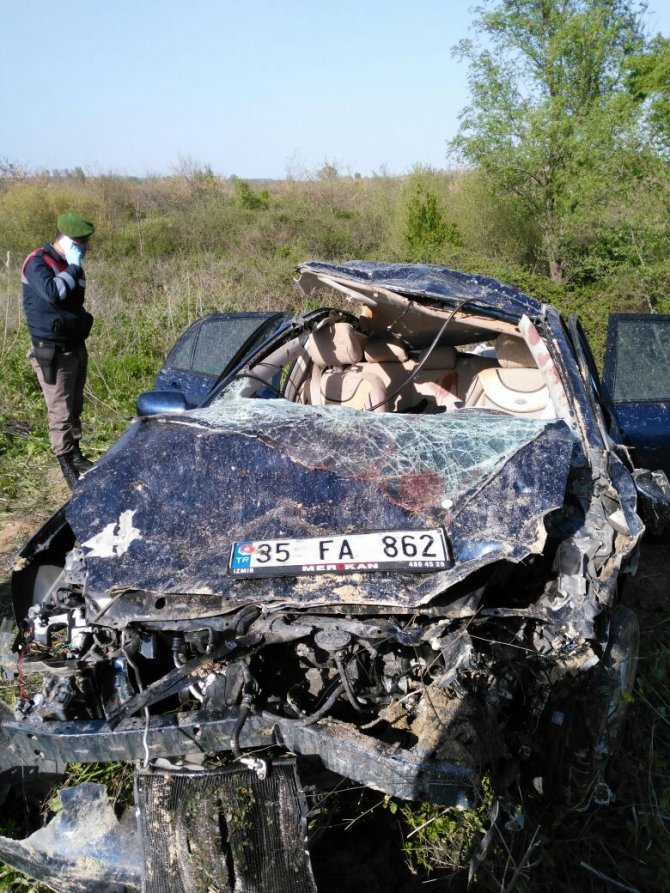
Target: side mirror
x: 160, y: 402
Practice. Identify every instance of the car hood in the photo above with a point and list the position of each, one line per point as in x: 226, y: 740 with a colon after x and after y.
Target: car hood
x: 159, y: 514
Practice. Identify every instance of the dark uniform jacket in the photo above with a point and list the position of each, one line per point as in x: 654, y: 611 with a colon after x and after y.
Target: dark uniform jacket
x: 53, y: 299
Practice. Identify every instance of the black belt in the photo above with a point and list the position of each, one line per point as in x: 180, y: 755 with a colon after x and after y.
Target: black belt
x: 59, y: 348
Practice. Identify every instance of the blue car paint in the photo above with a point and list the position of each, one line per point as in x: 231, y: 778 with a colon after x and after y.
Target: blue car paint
x: 194, y: 387
x: 646, y: 430
x: 640, y: 409
x: 424, y: 280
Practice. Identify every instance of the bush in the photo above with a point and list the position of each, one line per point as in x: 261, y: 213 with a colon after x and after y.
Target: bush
x: 425, y: 228
x: 245, y: 197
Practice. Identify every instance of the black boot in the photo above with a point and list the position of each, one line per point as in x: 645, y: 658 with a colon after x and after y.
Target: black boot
x: 69, y: 470
x: 80, y: 462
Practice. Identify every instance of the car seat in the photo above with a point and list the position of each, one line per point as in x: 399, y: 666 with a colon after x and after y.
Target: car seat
x: 339, y: 374
x: 516, y: 386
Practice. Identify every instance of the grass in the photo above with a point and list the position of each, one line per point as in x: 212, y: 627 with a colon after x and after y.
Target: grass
x: 12, y: 881
x: 168, y: 251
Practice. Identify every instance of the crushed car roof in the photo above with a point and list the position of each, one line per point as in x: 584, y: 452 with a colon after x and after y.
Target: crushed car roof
x: 429, y: 281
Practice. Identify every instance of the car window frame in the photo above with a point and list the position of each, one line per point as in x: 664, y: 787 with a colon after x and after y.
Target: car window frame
x: 612, y: 356
x: 607, y: 427
x: 270, y: 317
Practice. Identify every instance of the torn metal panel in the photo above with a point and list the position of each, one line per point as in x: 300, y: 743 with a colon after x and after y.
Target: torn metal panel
x: 45, y: 548
x: 221, y: 828
x: 261, y: 469
x: 423, y: 280
x: 547, y: 366
x: 83, y: 849
x: 653, y: 492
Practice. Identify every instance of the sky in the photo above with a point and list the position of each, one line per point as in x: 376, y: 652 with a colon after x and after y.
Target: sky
x: 256, y: 89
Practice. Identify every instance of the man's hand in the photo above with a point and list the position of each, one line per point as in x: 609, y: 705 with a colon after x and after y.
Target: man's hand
x: 73, y: 253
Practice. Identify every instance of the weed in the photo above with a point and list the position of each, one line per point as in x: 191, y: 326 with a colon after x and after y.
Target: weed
x: 443, y: 837
x: 116, y: 777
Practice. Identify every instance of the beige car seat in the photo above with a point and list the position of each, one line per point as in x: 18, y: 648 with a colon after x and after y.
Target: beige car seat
x: 339, y: 377
x: 516, y: 386
x: 426, y: 390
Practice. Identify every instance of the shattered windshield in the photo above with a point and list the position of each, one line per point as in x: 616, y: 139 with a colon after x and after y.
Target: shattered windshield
x: 421, y: 461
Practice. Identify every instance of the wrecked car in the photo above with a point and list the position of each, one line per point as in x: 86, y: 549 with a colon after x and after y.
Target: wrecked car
x: 388, y: 545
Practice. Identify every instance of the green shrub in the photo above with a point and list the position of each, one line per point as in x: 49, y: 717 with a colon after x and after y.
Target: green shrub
x: 425, y: 228
x: 147, y: 237
x: 245, y: 197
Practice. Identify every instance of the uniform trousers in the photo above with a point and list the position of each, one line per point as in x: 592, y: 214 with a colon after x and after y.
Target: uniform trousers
x: 65, y: 397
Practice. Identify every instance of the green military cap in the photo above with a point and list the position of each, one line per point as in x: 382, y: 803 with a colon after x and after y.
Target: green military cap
x: 74, y: 225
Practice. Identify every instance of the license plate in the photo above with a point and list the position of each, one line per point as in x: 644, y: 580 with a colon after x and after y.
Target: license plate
x: 386, y: 550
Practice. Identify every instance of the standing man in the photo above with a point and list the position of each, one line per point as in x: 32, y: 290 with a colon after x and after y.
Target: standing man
x: 54, y: 288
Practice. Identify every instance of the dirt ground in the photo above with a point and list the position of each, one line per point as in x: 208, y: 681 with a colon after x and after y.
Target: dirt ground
x: 13, y: 532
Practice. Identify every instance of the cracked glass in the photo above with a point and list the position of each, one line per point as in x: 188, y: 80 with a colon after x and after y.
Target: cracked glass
x: 417, y: 459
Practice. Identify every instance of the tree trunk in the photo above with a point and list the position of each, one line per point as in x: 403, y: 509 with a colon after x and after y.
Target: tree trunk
x: 556, y: 269
x: 552, y: 241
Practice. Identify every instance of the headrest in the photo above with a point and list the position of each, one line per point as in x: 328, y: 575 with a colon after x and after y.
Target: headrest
x: 378, y: 350
x: 439, y: 358
x: 514, y: 353
x: 335, y: 345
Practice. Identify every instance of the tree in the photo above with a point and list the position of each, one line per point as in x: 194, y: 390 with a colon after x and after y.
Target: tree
x: 649, y: 82
x: 551, y: 118
x: 10, y: 170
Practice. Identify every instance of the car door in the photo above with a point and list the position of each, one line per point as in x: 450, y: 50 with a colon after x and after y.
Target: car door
x: 208, y: 347
x: 636, y: 385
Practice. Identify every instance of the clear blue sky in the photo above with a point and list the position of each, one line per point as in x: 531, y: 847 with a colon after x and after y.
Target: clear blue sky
x: 249, y: 88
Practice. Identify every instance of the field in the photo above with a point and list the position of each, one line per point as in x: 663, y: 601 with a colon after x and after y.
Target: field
x: 168, y: 250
